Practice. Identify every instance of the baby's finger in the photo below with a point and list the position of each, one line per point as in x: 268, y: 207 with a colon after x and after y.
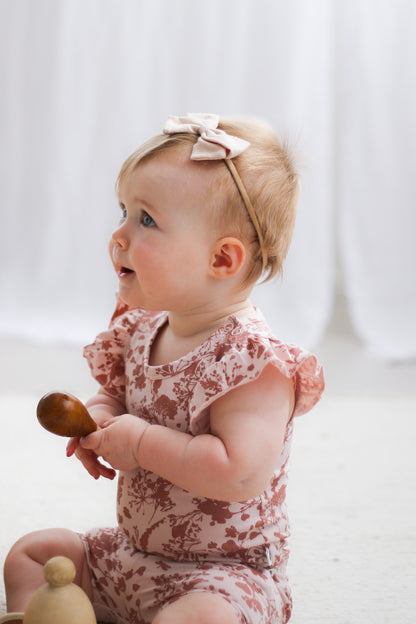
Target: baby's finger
x: 93, y: 466
x: 97, y: 469
x: 72, y: 446
x: 91, y: 442
x: 106, y: 471
x: 89, y: 461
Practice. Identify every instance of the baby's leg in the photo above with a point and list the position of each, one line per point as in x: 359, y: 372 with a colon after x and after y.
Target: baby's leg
x: 23, y: 568
x: 198, y: 608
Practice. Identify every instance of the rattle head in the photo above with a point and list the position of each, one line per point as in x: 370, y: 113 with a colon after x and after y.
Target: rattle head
x: 65, y: 415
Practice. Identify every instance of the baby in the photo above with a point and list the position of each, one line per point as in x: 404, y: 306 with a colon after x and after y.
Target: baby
x: 197, y: 396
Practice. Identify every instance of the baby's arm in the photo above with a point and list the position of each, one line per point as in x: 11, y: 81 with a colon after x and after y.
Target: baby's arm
x: 103, y: 406
x: 234, y: 462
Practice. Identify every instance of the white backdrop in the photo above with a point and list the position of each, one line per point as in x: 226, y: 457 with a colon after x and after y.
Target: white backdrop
x: 83, y: 82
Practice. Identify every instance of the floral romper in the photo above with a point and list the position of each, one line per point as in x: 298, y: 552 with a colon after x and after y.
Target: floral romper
x: 170, y: 542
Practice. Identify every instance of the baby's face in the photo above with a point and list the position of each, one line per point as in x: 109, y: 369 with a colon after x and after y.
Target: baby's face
x: 162, y: 247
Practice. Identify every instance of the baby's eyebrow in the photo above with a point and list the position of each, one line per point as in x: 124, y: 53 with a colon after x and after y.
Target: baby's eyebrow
x: 145, y: 204
x: 139, y: 200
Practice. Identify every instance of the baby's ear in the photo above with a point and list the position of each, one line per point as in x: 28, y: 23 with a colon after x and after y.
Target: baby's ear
x: 227, y: 258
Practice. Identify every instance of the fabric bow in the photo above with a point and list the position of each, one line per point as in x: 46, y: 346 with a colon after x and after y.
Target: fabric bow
x: 212, y: 144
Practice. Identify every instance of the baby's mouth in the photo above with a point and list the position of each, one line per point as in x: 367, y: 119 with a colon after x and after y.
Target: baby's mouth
x: 124, y: 271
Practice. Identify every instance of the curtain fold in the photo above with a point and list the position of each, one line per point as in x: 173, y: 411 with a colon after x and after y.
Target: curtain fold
x: 376, y: 183
x: 84, y: 82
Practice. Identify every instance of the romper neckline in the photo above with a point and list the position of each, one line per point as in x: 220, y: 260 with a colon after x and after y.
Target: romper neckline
x: 233, y: 324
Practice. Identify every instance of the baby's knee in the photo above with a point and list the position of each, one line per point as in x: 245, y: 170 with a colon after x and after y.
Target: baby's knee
x: 23, y: 568
x: 35, y: 545
x: 38, y: 547
x: 22, y: 549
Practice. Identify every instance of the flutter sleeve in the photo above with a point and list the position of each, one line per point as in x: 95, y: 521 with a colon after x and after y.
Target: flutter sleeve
x: 243, y: 362
x: 106, y: 355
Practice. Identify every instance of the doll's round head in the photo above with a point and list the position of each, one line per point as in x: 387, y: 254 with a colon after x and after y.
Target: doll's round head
x: 264, y: 172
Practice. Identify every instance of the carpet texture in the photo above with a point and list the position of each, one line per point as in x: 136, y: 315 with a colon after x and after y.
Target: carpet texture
x: 352, y: 503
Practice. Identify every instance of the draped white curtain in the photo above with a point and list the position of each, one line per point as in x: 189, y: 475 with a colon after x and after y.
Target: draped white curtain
x: 83, y: 82
x: 375, y: 170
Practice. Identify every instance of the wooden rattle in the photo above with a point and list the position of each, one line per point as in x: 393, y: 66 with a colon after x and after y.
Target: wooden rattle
x: 60, y: 601
x: 65, y: 415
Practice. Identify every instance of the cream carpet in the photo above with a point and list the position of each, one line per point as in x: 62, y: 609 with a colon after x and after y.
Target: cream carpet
x: 351, y: 499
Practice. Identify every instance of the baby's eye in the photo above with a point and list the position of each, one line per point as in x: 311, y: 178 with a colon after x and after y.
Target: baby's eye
x: 123, y: 211
x: 147, y: 220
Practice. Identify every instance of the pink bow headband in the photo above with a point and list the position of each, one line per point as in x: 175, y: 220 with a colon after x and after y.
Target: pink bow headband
x: 216, y: 144
x: 212, y: 144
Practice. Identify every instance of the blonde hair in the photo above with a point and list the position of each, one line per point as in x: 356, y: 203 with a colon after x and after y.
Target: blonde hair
x: 268, y: 173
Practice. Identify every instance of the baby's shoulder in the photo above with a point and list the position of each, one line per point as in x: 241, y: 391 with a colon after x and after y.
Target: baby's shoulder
x: 249, y: 336
x: 243, y: 349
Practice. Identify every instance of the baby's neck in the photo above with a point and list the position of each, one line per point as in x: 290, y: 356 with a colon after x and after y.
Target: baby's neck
x: 184, y: 333
x: 205, y: 322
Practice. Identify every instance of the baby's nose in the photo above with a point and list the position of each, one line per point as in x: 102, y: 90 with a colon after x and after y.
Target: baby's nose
x: 119, y: 237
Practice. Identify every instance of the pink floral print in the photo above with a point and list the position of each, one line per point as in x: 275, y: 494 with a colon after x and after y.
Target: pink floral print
x: 168, y: 541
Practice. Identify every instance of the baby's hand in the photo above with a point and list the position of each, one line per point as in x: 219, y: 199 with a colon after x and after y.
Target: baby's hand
x: 89, y: 460
x: 117, y: 442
